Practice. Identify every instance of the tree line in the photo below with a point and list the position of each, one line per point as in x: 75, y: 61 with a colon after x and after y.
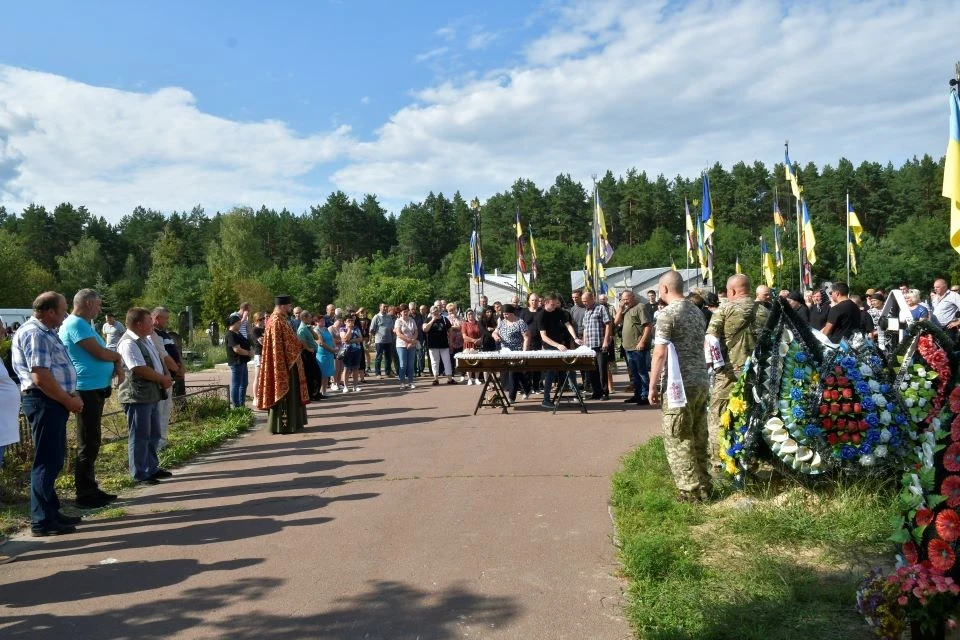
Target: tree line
x: 355, y: 252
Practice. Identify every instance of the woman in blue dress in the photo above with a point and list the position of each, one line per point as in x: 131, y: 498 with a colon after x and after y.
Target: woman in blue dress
x: 325, y: 357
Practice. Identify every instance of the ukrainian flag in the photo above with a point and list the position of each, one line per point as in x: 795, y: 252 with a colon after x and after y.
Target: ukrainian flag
x: 853, y: 258
x: 951, y: 171
x: 707, y: 209
x: 809, y: 239
x: 791, y: 175
x: 778, y: 254
x: 853, y: 221
x: 777, y: 216
x: 766, y: 262
x: 691, y: 234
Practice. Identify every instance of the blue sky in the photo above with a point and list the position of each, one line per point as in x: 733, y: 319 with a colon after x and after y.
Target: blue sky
x: 115, y: 104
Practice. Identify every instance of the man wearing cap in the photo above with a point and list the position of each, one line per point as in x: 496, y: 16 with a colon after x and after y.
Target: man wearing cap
x: 281, y: 387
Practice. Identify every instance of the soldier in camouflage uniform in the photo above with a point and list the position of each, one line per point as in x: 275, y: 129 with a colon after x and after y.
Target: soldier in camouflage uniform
x: 684, y: 428
x: 735, y: 325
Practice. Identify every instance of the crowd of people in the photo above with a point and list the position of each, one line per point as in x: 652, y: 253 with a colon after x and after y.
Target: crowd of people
x: 682, y: 350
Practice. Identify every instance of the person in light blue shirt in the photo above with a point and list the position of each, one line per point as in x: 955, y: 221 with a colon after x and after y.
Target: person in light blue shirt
x: 96, y: 366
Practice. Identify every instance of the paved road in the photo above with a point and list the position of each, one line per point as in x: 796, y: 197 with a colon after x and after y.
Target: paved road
x: 394, y: 515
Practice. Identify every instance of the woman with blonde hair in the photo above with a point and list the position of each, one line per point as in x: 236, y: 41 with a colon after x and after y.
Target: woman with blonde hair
x: 917, y: 310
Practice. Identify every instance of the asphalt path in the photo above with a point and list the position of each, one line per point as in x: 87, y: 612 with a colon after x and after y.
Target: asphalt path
x: 393, y: 515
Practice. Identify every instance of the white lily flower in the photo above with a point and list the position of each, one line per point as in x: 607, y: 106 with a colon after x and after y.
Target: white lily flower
x: 908, y: 402
x: 927, y: 385
x: 915, y: 385
x: 921, y: 372
x: 921, y: 401
x: 866, y: 460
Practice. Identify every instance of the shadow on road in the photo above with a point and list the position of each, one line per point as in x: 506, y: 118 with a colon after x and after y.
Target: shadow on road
x: 388, y: 610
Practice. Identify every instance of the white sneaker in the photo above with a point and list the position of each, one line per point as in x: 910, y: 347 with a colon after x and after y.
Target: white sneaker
x: 355, y: 389
x: 344, y: 389
x: 403, y: 386
x: 411, y: 386
x: 334, y: 387
x: 523, y: 396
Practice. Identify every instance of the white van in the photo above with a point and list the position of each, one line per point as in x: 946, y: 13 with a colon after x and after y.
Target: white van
x: 9, y: 316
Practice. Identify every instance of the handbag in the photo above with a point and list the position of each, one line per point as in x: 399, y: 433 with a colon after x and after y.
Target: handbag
x: 341, y: 352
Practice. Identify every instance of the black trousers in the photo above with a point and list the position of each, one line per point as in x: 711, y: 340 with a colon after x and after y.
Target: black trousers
x: 312, y: 370
x: 598, y: 376
x: 89, y: 422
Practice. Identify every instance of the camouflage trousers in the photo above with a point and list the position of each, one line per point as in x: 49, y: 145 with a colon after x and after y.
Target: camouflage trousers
x: 719, y: 399
x: 685, y: 441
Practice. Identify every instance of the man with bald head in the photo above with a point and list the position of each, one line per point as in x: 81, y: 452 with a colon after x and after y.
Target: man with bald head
x: 764, y: 295
x: 733, y: 334
x: 678, y: 352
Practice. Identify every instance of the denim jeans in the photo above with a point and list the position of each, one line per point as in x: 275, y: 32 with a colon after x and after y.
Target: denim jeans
x: 48, y: 424
x: 143, y: 436
x: 405, y: 363
x: 638, y: 364
x: 238, y: 384
x: 385, y: 351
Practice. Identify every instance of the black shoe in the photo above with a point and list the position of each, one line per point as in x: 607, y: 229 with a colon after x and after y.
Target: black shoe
x: 162, y: 473
x: 605, y: 396
x: 322, y: 396
x: 150, y: 480
x: 63, y: 518
x: 109, y: 497
x: 56, y: 529
x: 92, y: 502
x: 596, y: 396
x: 632, y: 400
x: 546, y: 404
x: 643, y: 402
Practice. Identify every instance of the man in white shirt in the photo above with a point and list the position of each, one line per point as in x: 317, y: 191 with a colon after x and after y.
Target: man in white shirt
x: 946, y: 305
x: 141, y: 392
x: 112, y: 330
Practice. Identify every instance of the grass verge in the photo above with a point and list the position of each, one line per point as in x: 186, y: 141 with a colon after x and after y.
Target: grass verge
x: 760, y: 564
x: 204, y: 424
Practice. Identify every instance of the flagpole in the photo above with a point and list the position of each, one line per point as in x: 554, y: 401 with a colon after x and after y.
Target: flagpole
x: 595, y: 249
x: 847, y: 213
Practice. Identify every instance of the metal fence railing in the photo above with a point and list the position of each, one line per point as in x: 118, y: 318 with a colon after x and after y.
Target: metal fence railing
x: 114, y: 426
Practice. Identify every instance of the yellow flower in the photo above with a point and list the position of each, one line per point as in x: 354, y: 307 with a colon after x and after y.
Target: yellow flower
x: 815, y: 378
x: 725, y: 420
x: 737, y: 405
x: 731, y: 467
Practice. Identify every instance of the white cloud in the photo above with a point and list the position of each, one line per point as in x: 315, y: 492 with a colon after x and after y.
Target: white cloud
x: 448, y: 32
x: 365, y: 100
x: 432, y: 53
x: 672, y: 89
x: 111, y: 150
x: 481, y: 40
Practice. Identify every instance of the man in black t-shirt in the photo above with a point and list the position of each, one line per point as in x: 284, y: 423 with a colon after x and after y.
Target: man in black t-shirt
x: 557, y: 334
x: 843, y: 318
x: 529, y: 316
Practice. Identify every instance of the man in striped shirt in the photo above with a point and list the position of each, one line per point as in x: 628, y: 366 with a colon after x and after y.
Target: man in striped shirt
x: 48, y: 382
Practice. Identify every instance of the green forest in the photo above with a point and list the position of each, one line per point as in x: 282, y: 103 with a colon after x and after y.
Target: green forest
x: 355, y: 252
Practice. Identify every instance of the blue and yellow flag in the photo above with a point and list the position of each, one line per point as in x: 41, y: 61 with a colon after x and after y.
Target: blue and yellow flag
x: 476, y: 259
x: 777, y: 253
x: 777, y: 216
x: 853, y: 223
x: 522, y: 283
x: 766, y: 263
x: 706, y: 209
x: 810, y: 241
x: 534, y: 265
x: 853, y: 258
x: 691, y: 234
x: 792, y: 176
x: 673, y: 264
x: 588, y: 268
x: 951, y: 170
x: 604, y: 248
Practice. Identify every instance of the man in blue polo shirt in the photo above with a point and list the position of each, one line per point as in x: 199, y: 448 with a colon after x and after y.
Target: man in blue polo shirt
x: 96, y: 366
